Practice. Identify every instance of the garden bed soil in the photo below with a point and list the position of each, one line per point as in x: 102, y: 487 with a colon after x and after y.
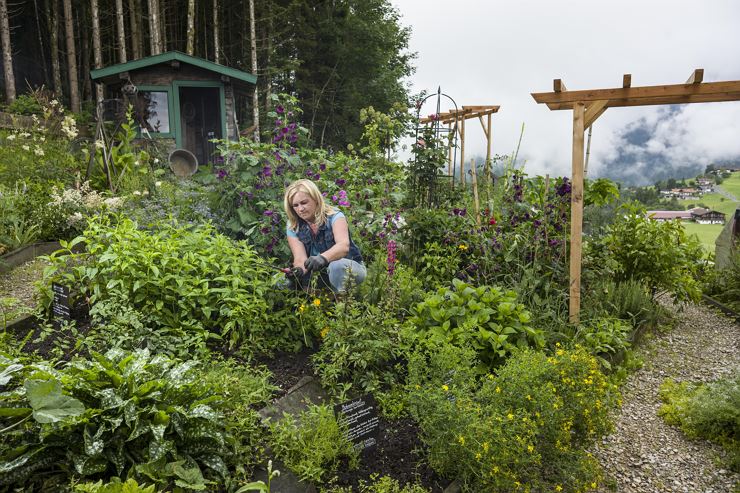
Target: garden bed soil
x: 399, y: 454
x: 287, y: 368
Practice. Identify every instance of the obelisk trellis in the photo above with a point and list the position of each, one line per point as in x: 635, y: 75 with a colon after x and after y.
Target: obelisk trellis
x: 587, y: 106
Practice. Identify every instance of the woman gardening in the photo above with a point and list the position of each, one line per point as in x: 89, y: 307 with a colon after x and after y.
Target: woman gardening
x: 318, y: 237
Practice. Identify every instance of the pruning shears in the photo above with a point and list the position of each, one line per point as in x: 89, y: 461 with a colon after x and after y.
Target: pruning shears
x: 293, y: 271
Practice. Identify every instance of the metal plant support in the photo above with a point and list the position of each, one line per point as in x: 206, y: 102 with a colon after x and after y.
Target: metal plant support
x: 439, y: 130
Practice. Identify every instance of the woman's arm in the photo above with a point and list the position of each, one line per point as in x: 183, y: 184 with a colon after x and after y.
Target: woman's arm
x: 298, y: 251
x: 341, y: 240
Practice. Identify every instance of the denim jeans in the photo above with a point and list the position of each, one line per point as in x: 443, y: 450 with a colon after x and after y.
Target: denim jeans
x: 335, y: 276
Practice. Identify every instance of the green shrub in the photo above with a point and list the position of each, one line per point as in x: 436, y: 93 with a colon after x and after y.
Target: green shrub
x: 724, y: 285
x: 383, y: 484
x: 626, y: 300
x: 487, y: 318
x: 360, y: 343
x: 312, y: 444
x: 656, y: 253
x: 189, y: 281
x: 122, y: 414
x: 114, y: 486
x: 25, y: 104
x: 604, y: 337
x: 525, y: 428
x: 710, y: 411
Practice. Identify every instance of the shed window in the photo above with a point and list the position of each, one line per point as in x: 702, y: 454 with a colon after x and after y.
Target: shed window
x: 153, y: 111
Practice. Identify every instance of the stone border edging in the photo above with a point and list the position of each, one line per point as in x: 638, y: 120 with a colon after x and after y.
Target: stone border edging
x: 15, y: 258
x: 723, y: 308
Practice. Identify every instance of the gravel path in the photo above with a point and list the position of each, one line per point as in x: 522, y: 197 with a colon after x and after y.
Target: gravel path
x: 17, y: 287
x: 644, y: 455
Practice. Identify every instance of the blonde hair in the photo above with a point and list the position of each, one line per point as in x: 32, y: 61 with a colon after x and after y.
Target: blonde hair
x: 309, y: 188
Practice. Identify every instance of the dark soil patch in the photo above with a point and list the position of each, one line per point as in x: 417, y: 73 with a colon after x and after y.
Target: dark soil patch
x: 58, y: 342
x: 399, y: 454
x: 287, y: 368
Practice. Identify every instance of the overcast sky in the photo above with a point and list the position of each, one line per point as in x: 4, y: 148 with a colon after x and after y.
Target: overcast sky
x: 498, y: 52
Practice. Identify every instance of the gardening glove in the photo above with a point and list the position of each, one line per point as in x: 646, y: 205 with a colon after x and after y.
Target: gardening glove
x: 315, y: 263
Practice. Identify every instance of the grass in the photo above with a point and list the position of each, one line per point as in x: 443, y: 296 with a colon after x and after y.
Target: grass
x: 732, y: 185
x: 718, y: 202
x: 706, y: 233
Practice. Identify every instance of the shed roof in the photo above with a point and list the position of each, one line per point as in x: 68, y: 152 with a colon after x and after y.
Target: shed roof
x: 669, y: 214
x: 169, y: 56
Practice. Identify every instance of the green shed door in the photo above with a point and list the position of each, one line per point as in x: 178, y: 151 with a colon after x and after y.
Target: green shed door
x: 200, y: 120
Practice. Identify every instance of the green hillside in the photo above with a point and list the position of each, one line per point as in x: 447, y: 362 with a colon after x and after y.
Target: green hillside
x: 732, y: 185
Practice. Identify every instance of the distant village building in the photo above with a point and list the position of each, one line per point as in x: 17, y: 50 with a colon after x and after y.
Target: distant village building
x: 706, y: 216
x: 682, y: 193
x: 705, y: 185
x: 697, y: 214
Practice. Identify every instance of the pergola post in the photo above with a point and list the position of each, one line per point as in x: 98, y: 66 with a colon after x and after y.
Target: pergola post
x: 587, y: 106
x: 489, y: 137
x: 576, y: 213
x: 462, y: 152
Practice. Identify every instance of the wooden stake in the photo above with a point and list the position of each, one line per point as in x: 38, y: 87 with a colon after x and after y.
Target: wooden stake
x: 462, y: 152
x: 475, y: 191
x: 449, y: 151
x: 576, y: 213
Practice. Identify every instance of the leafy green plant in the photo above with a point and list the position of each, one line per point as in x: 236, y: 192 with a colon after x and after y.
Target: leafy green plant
x: 190, y: 281
x: 114, y: 486
x: 657, y: 253
x: 312, y: 444
x: 359, y: 346
x: 486, y: 318
x: 123, y: 414
x: 525, y: 427
x: 384, y: 484
x: 724, y: 285
x: 261, y: 485
x: 604, y: 337
x: 710, y: 411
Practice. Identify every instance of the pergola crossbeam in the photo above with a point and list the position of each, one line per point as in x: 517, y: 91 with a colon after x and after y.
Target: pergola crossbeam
x: 587, y: 106
x: 466, y: 112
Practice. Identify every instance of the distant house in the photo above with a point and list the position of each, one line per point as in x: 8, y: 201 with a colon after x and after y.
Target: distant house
x: 669, y: 215
x: 681, y: 193
x: 706, y: 216
x: 706, y: 185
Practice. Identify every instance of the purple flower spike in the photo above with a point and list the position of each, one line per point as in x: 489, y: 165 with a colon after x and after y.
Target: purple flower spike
x: 279, y: 110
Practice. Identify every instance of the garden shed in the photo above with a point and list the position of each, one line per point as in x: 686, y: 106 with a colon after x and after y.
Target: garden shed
x: 181, y: 98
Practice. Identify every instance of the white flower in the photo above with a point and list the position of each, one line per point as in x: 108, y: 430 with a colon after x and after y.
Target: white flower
x: 156, y: 160
x: 10, y: 137
x: 136, y: 192
x: 146, y: 192
x: 69, y: 127
x: 38, y: 151
x: 113, y: 202
x: 25, y: 147
x: 25, y: 134
x: 99, y: 144
x: 74, y: 218
x: 157, y: 183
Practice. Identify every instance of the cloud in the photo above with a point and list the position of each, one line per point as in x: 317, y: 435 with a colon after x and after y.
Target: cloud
x: 498, y: 52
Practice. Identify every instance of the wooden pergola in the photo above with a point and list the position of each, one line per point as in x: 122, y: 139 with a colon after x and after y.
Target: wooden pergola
x: 587, y: 106
x: 458, y: 118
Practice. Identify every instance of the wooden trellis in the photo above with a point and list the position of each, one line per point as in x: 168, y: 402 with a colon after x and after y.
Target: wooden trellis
x: 587, y: 106
x: 458, y: 118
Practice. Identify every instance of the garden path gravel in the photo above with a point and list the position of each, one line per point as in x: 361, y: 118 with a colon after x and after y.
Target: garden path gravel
x: 645, y: 455
x: 19, y: 284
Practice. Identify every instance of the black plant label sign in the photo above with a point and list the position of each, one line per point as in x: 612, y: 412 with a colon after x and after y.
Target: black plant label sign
x: 361, y: 416
x: 60, y: 311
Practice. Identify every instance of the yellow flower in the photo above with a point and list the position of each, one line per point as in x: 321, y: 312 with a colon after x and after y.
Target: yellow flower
x: 478, y: 456
x: 495, y: 469
x: 558, y: 488
x: 517, y: 484
x: 510, y: 416
x: 301, y: 308
x: 593, y: 485
x: 498, y: 390
x: 530, y: 448
x: 462, y: 247
x: 485, y: 446
x: 490, y: 377
x: 529, y: 397
x: 461, y: 439
x: 317, y: 302
x: 445, y: 388
x: 324, y: 331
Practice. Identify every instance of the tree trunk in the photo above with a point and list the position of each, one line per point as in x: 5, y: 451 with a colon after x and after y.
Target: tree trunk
x: 155, y: 40
x: 121, y: 30
x: 255, y: 96
x: 42, y: 52
x: 268, y: 53
x: 190, y: 48
x: 84, y: 58
x: 7, y: 53
x: 56, y: 68
x: 74, y: 90
x: 162, y: 14
x: 134, y: 10
x: 216, y: 43
x: 97, y: 50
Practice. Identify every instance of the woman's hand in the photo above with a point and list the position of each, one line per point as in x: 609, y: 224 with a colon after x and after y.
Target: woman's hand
x: 315, y: 263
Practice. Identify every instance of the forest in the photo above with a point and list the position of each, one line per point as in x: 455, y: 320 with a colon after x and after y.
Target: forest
x: 336, y: 57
